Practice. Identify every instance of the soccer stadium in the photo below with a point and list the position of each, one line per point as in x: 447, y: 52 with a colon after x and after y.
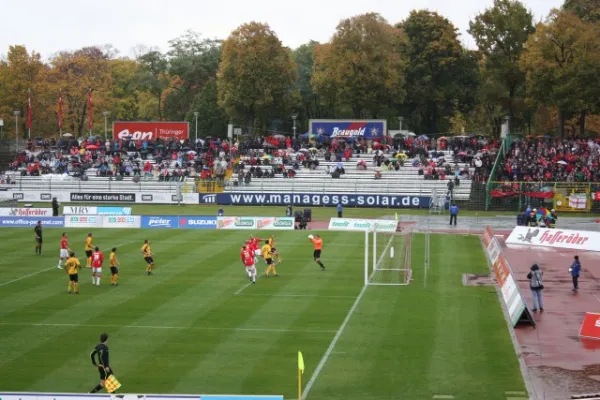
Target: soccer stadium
x: 383, y: 214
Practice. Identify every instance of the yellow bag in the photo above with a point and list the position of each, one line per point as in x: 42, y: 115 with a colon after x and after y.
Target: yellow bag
x: 111, y: 384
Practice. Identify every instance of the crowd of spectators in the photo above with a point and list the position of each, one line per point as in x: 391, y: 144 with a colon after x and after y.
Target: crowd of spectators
x: 544, y: 159
x: 163, y: 160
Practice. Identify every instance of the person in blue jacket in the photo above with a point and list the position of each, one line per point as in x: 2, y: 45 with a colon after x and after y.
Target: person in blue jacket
x: 453, y: 213
x: 575, y: 270
x: 339, y: 210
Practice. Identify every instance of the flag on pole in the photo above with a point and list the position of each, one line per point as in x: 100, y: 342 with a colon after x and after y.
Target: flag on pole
x: 90, y: 108
x: 300, y: 373
x: 300, y: 362
x: 29, y: 110
x: 111, y: 384
x: 60, y: 110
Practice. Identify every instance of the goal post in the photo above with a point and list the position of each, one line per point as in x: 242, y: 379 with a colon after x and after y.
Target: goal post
x: 389, y: 264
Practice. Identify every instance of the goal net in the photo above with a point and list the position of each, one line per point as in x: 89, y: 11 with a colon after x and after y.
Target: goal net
x: 390, y: 259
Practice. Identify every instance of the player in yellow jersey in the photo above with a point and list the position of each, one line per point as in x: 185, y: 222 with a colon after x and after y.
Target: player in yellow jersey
x: 267, y: 254
x: 114, y: 267
x: 147, y: 253
x: 276, y: 257
x: 72, y: 266
x: 89, y: 250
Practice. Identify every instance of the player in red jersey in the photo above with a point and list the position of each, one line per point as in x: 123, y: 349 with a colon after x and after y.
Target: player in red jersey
x: 255, y: 246
x: 248, y: 260
x: 97, y: 260
x: 64, y: 250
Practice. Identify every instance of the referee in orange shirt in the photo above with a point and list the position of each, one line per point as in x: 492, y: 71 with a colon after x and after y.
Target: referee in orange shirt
x: 318, y: 243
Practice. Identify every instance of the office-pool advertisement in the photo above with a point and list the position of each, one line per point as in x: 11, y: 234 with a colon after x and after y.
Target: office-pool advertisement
x: 349, y: 128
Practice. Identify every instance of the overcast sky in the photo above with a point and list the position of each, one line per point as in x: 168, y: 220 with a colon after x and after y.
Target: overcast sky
x: 48, y: 26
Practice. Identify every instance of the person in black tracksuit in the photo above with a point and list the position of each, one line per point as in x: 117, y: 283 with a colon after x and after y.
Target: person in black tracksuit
x: 100, y: 360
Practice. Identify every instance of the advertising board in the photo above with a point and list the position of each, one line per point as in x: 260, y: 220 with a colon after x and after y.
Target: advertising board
x: 349, y: 128
x: 351, y: 224
x: 121, y: 221
x: 91, y: 210
x: 105, y: 396
x: 250, y: 223
x: 83, y: 221
x: 321, y: 199
x: 25, y: 212
x: 102, y: 197
x: 140, y: 130
x: 511, y: 294
x: 24, y: 222
x: 160, y: 221
x: 590, y: 327
x: 558, y: 238
x: 193, y: 222
x: 138, y: 197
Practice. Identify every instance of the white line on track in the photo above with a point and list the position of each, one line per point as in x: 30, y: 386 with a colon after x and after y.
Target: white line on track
x: 199, y: 328
x: 337, y: 336
x: 48, y: 269
x: 597, y: 297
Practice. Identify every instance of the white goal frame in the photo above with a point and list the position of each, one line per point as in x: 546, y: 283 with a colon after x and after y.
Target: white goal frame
x: 372, y: 264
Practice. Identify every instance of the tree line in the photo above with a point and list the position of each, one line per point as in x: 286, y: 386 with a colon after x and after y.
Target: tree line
x: 544, y: 76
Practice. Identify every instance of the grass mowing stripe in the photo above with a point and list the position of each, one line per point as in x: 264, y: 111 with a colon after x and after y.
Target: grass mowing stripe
x: 26, y: 276
x: 199, y: 328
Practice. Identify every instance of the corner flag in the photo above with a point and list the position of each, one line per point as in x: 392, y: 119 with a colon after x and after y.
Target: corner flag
x: 300, y: 372
x: 300, y: 362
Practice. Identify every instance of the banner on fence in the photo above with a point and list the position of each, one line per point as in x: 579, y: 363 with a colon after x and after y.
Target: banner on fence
x: 254, y: 223
x: 190, y: 222
x: 558, y: 238
x: 25, y: 212
x: 321, y: 199
x: 83, y: 221
x: 352, y: 224
x: 121, y: 221
x: 349, y: 128
x: 82, y: 197
x: 24, y: 222
x: 511, y: 294
x: 105, y: 396
x: 160, y: 221
x: 91, y: 210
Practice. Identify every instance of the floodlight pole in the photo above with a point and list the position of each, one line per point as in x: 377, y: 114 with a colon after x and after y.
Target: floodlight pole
x: 196, y: 113
x: 294, y: 117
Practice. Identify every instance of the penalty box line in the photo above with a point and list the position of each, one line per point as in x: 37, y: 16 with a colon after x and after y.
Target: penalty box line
x: 197, y: 328
x: 48, y: 269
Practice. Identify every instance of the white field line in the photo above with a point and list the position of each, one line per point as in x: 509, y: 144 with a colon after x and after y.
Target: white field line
x: 48, y: 269
x: 199, y: 328
x: 337, y: 336
x: 299, y: 295
x: 240, y: 290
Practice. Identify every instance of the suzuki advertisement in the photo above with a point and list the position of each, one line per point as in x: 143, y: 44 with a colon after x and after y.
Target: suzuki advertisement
x: 348, y: 128
x: 151, y: 130
x: 190, y: 222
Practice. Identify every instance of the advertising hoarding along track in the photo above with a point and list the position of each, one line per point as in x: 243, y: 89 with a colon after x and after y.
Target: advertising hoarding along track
x: 558, y: 238
x: 353, y: 224
x: 511, y: 294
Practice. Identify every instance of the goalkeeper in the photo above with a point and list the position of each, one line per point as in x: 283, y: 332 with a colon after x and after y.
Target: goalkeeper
x: 318, y: 243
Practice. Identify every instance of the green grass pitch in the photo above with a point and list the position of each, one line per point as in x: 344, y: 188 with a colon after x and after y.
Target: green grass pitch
x: 185, y: 330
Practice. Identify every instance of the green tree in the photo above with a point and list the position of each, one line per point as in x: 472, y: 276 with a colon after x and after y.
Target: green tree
x: 193, y: 62
x: 500, y: 33
x: 441, y: 76
x: 256, y: 74
x: 154, y: 77
x: 212, y: 119
x: 587, y: 10
x: 124, y: 89
x: 311, y: 106
x: 362, y: 66
x: 562, y: 62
